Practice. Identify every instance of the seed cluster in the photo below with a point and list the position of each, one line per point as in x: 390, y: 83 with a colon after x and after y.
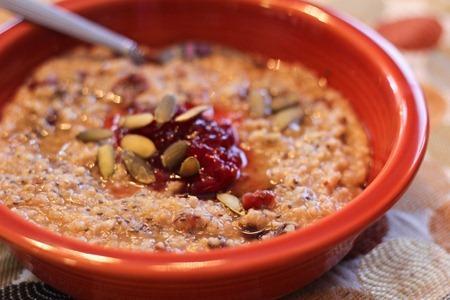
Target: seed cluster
x: 136, y: 148
x: 183, y: 158
x: 283, y: 111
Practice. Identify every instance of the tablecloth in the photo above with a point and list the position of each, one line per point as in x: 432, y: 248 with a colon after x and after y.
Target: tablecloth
x: 406, y: 255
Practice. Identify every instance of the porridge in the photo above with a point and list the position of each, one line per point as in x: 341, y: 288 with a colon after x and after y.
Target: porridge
x: 207, y: 148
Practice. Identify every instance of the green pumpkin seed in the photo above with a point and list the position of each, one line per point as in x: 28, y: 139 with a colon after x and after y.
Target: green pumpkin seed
x: 139, y: 169
x: 166, y: 109
x: 174, y: 154
x: 260, y: 101
x: 138, y: 144
x: 94, y: 135
x: 106, y: 160
x: 286, y: 117
x: 252, y: 232
x: 232, y: 202
x: 286, y: 101
x: 136, y: 121
x: 189, y: 167
x: 192, y: 113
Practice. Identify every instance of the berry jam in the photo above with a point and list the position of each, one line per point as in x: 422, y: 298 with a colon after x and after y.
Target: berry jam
x: 214, y: 144
x: 215, y: 148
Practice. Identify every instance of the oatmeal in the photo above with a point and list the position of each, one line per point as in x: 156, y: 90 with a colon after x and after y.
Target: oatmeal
x: 210, y: 148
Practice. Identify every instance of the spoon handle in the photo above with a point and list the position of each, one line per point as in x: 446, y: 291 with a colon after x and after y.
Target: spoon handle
x: 63, y: 21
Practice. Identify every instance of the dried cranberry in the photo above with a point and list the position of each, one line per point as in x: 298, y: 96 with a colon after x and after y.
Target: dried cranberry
x: 112, y: 122
x: 260, y: 199
x: 130, y: 87
x: 161, y: 176
x: 52, y: 117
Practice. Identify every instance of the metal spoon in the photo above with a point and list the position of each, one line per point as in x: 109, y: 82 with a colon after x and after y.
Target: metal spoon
x: 63, y: 21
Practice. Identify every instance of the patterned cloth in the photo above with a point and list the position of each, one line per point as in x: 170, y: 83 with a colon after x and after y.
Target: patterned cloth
x: 406, y: 255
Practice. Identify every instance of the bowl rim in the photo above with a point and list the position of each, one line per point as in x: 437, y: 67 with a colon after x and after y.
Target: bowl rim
x: 304, y: 243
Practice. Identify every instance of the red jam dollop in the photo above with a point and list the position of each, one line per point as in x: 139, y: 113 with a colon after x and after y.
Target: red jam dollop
x: 213, y: 143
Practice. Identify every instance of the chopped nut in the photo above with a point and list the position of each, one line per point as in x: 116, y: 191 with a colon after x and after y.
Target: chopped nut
x: 214, y: 242
x: 286, y: 117
x: 189, y: 222
x: 105, y: 159
x: 260, y: 101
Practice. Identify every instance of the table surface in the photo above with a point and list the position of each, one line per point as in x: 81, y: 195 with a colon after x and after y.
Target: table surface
x: 406, y: 255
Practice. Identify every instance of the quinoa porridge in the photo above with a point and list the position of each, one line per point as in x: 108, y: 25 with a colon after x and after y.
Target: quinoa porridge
x: 207, y: 148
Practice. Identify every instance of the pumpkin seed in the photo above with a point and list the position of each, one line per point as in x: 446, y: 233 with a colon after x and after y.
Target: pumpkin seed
x: 189, y: 167
x: 166, y: 109
x: 232, y: 202
x: 138, y: 168
x: 260, y: 101
x: 192, y: 113
x: 106, y: 160
x: 137, y: 121
x: 174, y: 154
x: 138, y: 144
x: 286, y: 101
x: 286, y: 117
x: 252, y: 231
x: 94, y: 135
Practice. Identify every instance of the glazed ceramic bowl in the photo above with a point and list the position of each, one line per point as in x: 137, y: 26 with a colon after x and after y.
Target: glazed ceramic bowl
x: 354, y: 59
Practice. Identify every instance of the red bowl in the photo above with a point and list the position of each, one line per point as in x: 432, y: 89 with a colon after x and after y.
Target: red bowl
x: 354, y: 59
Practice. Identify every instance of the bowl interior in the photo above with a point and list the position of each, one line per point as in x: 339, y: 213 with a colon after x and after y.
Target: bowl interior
x: 390, y: 108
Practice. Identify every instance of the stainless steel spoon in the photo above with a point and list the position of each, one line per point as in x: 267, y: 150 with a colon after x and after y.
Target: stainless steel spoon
x: 63, y: 21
